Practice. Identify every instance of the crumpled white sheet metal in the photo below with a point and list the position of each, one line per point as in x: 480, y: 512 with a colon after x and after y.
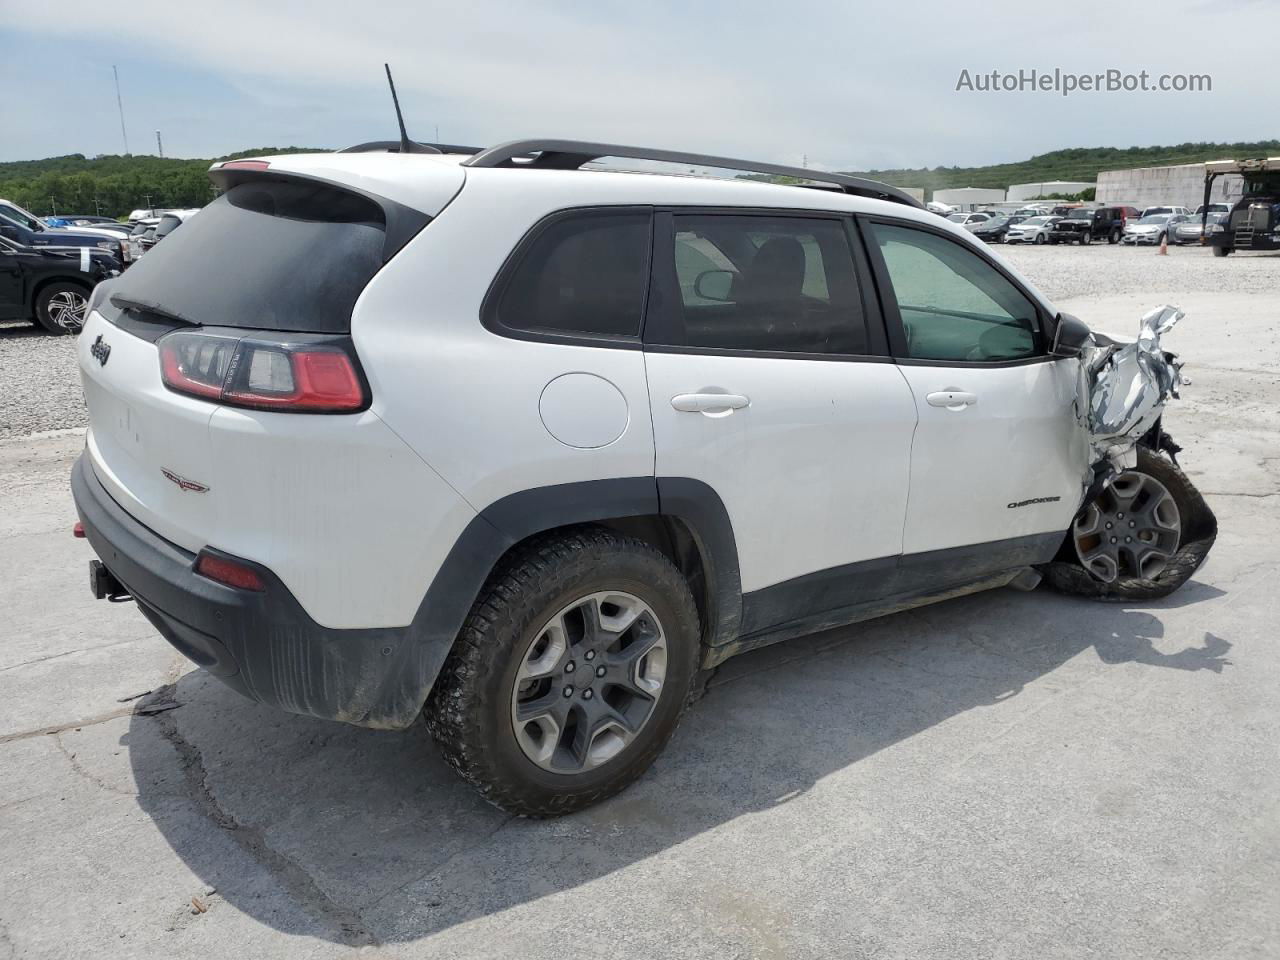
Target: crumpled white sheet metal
x: 1128, y: 386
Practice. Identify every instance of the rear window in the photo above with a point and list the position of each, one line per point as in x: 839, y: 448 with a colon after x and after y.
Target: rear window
x: 271, y: 255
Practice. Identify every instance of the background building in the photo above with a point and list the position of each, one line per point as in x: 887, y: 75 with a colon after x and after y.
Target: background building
x: 968, y: 198
x: 1029, y: 191
x: 1181, y: 185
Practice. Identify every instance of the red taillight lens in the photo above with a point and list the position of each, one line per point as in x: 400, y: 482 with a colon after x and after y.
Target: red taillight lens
x: 228, y: 572
x: 301, y: 377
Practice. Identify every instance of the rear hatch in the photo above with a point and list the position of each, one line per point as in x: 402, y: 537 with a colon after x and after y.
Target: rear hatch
x: 277, y: 261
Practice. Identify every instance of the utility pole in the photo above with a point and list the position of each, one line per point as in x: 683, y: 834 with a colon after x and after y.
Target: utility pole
x: 97, y: 206
x: 120, y: 107
x: 53, y: 206
x: 159, y: 145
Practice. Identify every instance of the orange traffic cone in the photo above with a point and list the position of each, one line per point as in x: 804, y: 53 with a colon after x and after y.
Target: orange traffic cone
x: 1164, y: 245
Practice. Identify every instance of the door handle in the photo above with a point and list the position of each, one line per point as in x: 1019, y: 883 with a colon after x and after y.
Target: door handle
x: 952, y: 399
x: 712, y: 404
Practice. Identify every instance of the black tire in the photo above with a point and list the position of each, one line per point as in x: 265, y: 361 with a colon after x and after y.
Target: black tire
x: 1053, y: 241
x: 47, y: 313
x: 1220, y: 251
x: 1086, y: 238
x: 469, y: 711
x: 1199, y: 530
x: 1113, y: 237
x: 1040, y: 238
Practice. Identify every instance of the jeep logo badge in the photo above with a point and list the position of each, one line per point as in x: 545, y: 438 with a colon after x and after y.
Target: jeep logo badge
x: 182, y: 482
x: 101, y: 350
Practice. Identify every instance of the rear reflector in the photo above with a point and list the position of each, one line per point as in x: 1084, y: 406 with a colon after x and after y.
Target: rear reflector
x: 293, y: 376
x: 228, y: 572
x: 78, y: 530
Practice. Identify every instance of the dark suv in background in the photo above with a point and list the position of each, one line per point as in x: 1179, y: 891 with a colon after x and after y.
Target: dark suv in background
x: 1085, y: 226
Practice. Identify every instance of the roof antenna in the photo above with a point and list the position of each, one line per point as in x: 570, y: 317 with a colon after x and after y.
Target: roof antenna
x: 406, y: 145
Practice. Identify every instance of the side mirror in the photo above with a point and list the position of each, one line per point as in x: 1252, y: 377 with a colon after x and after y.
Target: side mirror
x: 714, y: 285
x: 1070, y: 336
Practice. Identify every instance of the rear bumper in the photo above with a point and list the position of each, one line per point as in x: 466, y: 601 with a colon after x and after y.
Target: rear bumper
x: 264, y: 645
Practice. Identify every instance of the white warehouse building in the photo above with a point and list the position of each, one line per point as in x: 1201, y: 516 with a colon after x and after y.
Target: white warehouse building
x: 968, y: 198
x: 1180, y: 185
x: 1029, y: 191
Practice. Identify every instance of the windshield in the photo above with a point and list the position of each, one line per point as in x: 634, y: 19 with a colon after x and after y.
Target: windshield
x: 1080, y: 215
x: 1156, y: 218
x: 958, y: 217
x: 22, y: 217
x: 1035, y: 222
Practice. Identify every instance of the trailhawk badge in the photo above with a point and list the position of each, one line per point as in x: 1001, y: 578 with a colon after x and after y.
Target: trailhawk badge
x: 183, y: 483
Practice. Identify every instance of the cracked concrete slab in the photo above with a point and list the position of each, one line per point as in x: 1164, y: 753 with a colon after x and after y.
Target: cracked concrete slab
x: 1001, y: 775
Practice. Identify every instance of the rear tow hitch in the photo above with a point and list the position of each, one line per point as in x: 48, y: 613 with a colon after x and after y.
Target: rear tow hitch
x: 104, y: 584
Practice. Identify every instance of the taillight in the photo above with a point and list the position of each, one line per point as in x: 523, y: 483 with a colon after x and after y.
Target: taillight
x: 229, y: 572
x: 298, y: 376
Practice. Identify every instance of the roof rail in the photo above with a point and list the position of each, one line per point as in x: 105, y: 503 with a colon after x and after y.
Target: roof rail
x: 573, y: 154
x: 393, y: 146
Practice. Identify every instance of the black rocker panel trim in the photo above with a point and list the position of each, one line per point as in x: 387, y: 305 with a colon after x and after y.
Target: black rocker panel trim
x: 852, y: 585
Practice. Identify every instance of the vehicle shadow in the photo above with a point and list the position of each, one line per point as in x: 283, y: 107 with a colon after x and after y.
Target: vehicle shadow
x: 368, y: 836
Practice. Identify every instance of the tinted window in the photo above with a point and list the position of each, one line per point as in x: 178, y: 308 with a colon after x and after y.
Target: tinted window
x: 954, y: 305
x: 272, y: 255
x: 167, y: 225
x: 767, y: 283
x: 585, y: 273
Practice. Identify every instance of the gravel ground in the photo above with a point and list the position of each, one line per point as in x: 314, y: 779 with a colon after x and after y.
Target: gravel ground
x: 42, y: 387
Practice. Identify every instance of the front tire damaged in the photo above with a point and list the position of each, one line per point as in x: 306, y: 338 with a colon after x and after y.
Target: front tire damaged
x: 1199, y: 528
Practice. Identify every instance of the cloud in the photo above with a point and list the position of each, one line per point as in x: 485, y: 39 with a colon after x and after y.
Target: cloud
x: 847, y: 84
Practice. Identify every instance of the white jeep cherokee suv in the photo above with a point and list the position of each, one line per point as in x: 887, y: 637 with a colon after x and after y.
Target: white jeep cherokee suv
x: 526, y: 448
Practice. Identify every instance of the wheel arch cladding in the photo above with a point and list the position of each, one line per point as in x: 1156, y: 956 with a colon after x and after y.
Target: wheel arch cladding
x: 682, y: 517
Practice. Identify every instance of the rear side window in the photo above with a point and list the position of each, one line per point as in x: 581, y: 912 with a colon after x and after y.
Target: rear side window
x: 773, y: 284
x: 953, y: 304
x: 585, y: 273
x: 271, y: 255
x: 167, y: 225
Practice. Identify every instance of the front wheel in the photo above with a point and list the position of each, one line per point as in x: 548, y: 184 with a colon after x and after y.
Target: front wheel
x: 570, y: 673
x: 1086, y: 238
x: 60, y: 307
x: 1221, y: 251
x: 1140, y: 538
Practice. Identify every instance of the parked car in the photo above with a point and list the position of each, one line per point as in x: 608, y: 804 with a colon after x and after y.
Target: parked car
x: 992, y: 230
x: 465, y: 467
x: 1038, y: 210
x: 143, y: 230
x: 50, y: 287
x: 1153, y: 228
x: 1031, y: 230
x: 1214, y: 208
x: 1084, y: 226
x: 965, y: 219
x: 168, y: 223
x: 25, y: 228
x: 1155, y: 211
x: 1191, y: 229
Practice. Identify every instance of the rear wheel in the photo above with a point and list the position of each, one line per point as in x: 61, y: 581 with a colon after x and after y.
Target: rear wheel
x: 1040, y: 238
x: 60, y: 307
x: 569, y: 675
x: 1113, y: 237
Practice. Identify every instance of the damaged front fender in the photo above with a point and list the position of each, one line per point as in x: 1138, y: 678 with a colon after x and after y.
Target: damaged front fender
x: 1125, y: 387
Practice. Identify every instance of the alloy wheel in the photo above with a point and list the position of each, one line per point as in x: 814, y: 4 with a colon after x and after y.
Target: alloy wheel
x: 66, y: 310
x: 1131, y: 530
x: 588, y: 682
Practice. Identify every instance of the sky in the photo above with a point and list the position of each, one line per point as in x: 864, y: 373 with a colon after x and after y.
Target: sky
x: 838, y: 85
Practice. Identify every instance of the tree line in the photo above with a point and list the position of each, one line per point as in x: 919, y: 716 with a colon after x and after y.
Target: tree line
x: 113, y: 185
